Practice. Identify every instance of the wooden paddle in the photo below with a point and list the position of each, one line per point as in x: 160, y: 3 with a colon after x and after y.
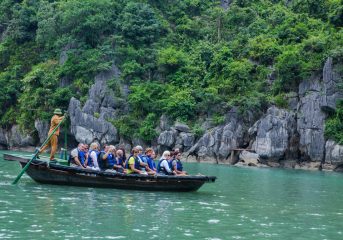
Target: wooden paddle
x: 37, y: 152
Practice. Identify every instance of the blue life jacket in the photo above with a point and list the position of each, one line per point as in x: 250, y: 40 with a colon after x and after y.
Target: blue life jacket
x: 161, y: 169
x: 90, y: 160
x: 120, y: 161
x: 151, y: 163
x: 107, y: 163
x: 179, y: 166
x: 111, y: 160
x: 144, y: 158
x: 137, y: 163
x: 81, y: 156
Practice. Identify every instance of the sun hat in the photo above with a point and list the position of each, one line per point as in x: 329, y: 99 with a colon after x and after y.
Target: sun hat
x: 58, y: 111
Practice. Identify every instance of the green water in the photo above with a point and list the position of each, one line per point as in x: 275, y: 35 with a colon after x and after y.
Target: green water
x: 244, y: 203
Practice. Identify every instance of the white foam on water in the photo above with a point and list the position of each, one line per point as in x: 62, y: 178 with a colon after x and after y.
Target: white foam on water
x: 213, y: 221
x: 16, y: 211
x: 179, y: 209
x: 213, y: 238
x: 154, y: 229
x: 237, y: 237
x: 315, y: 214
x: 137, y: 230
x: 204, y: 203
x: 224, y: 204
x: 188, y: 234
x: 266, y: 224
x: 68, y: 198
x: 207, y: 208
x: 219, y: 210
x: 33, y: 231
x: 58, y: 231
x: 115, y: 237
x: 42, y: 197
x: 317, y: 228
x: 10, y: 176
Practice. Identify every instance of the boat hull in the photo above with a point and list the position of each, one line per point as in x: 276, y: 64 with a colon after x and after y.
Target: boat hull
x: 42, y: 172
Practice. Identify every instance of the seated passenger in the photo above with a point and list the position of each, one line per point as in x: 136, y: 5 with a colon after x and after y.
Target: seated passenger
x: 149, y: 158
x: 133, y: 163
x: 107, y: 157
x: 119, y: 165
x: 77, y: 157
x: 177, y: 165
x: 93, y: 153
x: 163, y: 165
x: 140, y: 153
x: 144, y: 165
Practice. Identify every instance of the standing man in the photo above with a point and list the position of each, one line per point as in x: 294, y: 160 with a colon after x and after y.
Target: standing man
x: 53, y: 142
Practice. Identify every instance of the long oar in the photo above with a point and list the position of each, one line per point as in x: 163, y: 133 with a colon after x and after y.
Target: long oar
x: 36, y: 153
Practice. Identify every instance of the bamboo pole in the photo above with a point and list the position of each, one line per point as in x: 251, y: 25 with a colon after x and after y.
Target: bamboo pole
x: 36, y: 153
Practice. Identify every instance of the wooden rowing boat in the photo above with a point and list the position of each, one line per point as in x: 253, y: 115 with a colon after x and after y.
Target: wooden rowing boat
x: 56, y: 173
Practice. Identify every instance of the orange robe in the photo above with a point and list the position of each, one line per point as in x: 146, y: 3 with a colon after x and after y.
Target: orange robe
x: 55, y: 120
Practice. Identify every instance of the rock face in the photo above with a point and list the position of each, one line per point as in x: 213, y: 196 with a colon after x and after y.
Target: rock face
x: 249, y: 159
x: 334, y: 153
x: 90, y: 123
x: 218, y: 142
x: 275, y: 134
x: 16, y: 138
x: 177, y: 136
x: 42, y: 128
x: 331, y: 79
x: 311, y: 121
x: 316, y: 98
x: 3, y: 139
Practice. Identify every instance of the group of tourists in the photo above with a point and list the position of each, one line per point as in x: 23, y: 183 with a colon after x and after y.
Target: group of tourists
x: 114, y: 160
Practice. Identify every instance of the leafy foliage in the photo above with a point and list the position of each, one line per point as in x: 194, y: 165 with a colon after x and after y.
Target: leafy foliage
x: 187, y: 59
x: 334, y: 125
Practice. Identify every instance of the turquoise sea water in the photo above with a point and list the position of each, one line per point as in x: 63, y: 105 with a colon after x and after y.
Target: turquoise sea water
x: 244, y: 203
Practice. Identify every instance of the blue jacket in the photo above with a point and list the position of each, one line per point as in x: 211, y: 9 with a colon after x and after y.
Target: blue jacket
x: 151, y: 163
x: 81, y: 156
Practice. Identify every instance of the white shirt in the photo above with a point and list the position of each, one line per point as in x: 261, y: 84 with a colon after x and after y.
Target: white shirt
x: 165, y: 164
x: 95, y: 160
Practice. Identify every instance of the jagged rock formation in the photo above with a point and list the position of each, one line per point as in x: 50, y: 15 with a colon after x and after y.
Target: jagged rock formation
x: 90, y: 122
x: 334, y: 153
x: 275, y: 135
x: 177, y: 136
x: 311, y: 118
x: 316, y: 98
x: 217, y: 143
x: 42, y: 128
x: 16, y: 138
x: 285, y: 134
